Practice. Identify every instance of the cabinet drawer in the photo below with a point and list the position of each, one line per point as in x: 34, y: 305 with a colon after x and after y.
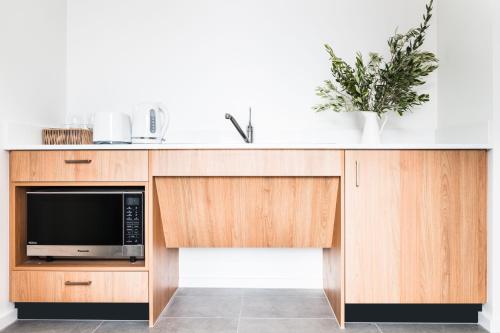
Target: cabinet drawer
x: 82, y: 287
x: 79, y: 165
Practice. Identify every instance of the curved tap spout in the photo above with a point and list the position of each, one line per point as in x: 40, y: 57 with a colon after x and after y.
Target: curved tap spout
x: 248, y: 137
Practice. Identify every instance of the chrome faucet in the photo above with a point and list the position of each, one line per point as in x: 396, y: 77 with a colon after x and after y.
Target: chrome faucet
x: 248, y: 137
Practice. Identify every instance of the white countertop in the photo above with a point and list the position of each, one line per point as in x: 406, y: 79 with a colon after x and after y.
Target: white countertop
x: 248, y: 146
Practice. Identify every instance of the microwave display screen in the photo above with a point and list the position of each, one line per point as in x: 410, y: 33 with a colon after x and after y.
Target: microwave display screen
x: 133, y: 201
x: 75, y: 218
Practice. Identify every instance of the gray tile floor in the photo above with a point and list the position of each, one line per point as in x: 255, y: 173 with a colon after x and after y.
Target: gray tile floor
x: 238, y: 311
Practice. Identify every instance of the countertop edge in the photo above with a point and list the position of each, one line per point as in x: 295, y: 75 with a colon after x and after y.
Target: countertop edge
x: 174, y: 146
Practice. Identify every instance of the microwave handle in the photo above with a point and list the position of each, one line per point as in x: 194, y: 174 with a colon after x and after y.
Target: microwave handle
x: 77, y: 161
x: 75, y: 283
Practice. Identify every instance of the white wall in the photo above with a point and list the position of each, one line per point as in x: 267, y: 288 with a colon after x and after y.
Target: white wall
x: 32, y: 89
x: 251, y: 268
x: 7, y: 312
x: 490, y: 317
x: 206, y: 58
x: 465, y: 85
x: 32, y: 60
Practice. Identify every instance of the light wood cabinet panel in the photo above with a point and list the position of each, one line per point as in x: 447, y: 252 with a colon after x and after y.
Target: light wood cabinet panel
x: 34, y: 286
x: 247, y: 211
x: 248, y: 162
x: 90, y: 287
x: 130, y: 287
x: 443, y: 230
x: 334, y: 262
x: 79, y: 165
x: 164, y: 270
x: 415, y: 226
x: 372, y: 201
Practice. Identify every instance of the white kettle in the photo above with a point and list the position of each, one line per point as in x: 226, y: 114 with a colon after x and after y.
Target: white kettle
x: 150, y: 123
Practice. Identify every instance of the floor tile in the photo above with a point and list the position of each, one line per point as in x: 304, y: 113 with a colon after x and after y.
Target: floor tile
x: 52, y: 326
x: 124, y: 327
x: 431, y: 328
x: 360, y: 328
x: 452, y: 328
x: 285, y: 292
x: 204, y: 306
x: 288, y: 326
x: 301, y: 326
x: 210, y: 292
x: 197, y: 325
x: 285, y: 307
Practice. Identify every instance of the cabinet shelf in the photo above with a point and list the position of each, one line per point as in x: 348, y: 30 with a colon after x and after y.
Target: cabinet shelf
x: 81, y: 265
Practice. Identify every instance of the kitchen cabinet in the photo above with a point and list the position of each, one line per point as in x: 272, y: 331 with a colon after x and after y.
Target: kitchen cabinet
x: 396, y: 226
x: 247, y: 198
x: 247, y: 162
x: 248, y: 211
x: 34, y: 280
x: 82, y: 287
x: 415, y: 229
x: 79, y: 165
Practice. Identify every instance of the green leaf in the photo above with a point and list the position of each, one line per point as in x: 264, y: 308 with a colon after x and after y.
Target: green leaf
x: 378, y: 85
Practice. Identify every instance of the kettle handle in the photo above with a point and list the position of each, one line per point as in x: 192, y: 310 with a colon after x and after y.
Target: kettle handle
x: 166, y: 120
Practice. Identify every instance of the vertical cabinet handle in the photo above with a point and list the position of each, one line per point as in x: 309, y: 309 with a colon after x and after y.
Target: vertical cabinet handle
x: 77, y: 161
x: 74, y: 283
x: 357, y: 174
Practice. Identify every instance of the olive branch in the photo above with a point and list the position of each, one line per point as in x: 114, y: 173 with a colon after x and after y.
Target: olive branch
x: 380, y: 86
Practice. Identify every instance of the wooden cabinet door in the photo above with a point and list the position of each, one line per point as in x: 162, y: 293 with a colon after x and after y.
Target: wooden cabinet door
x: 247, y: 211
x: 372, y: 226
x: 415, y: 226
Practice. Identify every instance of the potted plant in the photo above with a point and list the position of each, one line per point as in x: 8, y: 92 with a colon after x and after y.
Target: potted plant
x: 377, y: 87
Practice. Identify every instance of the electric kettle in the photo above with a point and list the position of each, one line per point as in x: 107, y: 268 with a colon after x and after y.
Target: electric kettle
x: 150, y: 122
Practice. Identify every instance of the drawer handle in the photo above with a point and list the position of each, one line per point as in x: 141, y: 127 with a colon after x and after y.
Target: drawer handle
x: 77, y: 161
x: 74, y: 283
x: 357, y: 174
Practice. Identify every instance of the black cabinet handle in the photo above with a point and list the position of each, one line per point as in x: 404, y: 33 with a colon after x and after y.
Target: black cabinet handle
x: 73, y: 283
x: 77, y: 161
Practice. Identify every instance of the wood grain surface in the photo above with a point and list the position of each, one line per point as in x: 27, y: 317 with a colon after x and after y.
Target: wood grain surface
x: 79, y: 165
x: 334, y: 261
x: 231, y: 162
x: 416, y: 227
x: 107, y: 287
x: 247, y: 211
x: 164, y: 268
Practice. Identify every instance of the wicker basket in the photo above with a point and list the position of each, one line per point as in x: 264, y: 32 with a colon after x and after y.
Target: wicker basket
x: 66, y: 136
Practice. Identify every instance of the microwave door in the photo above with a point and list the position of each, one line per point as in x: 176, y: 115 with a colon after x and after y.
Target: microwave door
x: 75, y: 224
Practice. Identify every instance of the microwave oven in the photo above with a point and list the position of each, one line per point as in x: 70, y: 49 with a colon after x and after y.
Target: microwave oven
x: 90, y: 223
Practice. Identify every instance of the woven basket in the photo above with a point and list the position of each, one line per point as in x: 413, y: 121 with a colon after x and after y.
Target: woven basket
x: 63, y: 136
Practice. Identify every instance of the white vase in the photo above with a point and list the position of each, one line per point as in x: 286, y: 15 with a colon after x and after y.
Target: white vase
x: 373, y: 126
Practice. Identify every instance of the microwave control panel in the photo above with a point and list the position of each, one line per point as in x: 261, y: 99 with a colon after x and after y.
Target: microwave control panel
x: 133, y: 219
